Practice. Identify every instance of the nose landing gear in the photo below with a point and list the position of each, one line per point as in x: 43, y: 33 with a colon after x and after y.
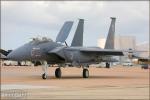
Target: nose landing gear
x: 44, y: 76
x: 44, y: 67
x: 58, y: 73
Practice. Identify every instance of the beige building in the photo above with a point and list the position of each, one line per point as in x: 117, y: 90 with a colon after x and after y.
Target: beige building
x: 101, y: 42
x: 125, y: 42
x: 143, y: 47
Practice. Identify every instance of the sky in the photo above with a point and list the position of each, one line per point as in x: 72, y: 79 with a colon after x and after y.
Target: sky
x: 23, y: 20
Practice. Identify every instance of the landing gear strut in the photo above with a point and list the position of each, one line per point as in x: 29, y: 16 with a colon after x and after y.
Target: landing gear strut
x: 58, y: 73
x: 44, y: 67
x: 85, y: 73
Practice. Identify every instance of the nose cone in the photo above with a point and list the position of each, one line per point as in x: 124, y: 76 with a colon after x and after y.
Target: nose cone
x: 20, y: 54
x: 12, y: 55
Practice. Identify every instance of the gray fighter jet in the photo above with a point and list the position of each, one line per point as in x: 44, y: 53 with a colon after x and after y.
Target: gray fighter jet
x: 56, y: 52
x: 134, y: 54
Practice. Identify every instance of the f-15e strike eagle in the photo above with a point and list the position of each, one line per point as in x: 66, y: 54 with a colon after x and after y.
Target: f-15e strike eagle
x: 56, y: 52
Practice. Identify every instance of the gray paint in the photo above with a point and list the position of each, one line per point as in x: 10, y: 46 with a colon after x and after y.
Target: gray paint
x: 111, y: 34
x: 78, y: 36
x: 64, y: 32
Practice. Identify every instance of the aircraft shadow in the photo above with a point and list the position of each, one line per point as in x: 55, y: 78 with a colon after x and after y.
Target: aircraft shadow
x: 97, y: 77
x: 91, y: 77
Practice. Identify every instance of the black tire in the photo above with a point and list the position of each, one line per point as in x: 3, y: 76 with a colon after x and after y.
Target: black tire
x: 58, y: 73
x: 85, y: 73
x: 44, y: 76
x: 107, y: 65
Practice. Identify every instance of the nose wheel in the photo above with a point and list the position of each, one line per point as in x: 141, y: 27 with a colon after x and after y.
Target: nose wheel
x: 85, y: 73
x: 58, y: 73
x: 44, y: 76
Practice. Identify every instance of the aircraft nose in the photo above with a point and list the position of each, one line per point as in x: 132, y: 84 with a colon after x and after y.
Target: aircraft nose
x: 14, y: 55
x: 11, y: 56
x: 19, y: 54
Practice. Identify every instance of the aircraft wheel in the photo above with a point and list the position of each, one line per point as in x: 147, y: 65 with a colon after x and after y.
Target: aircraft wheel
x: 85, y: 73
x: 44, y: 76
x: 58, y: 73
x: 107, y: 65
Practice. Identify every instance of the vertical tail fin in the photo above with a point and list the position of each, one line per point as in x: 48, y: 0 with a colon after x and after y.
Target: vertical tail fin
x: 64, y: 32
x: 78, y: 36
x: 111, y: 34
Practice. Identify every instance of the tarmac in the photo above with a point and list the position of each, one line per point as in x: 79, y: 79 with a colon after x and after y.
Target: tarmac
x: 25, y: 82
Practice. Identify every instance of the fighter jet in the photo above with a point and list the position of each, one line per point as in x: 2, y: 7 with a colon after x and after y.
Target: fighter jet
x: 134, y: 54
x: 55, y: 52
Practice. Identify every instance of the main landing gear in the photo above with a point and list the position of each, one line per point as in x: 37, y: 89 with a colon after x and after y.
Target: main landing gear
x: 44, y: 76
x: 85, y: 73
x: 58, y: 73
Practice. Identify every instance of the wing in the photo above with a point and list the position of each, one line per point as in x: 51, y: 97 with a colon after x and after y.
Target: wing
x: 103, y: 52
x: 98, y: 51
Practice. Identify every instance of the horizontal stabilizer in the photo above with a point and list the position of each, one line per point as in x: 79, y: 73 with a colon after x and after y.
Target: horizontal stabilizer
x: 64, y: 32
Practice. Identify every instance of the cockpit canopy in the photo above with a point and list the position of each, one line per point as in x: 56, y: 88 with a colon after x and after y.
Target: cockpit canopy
x: 39, y: 40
